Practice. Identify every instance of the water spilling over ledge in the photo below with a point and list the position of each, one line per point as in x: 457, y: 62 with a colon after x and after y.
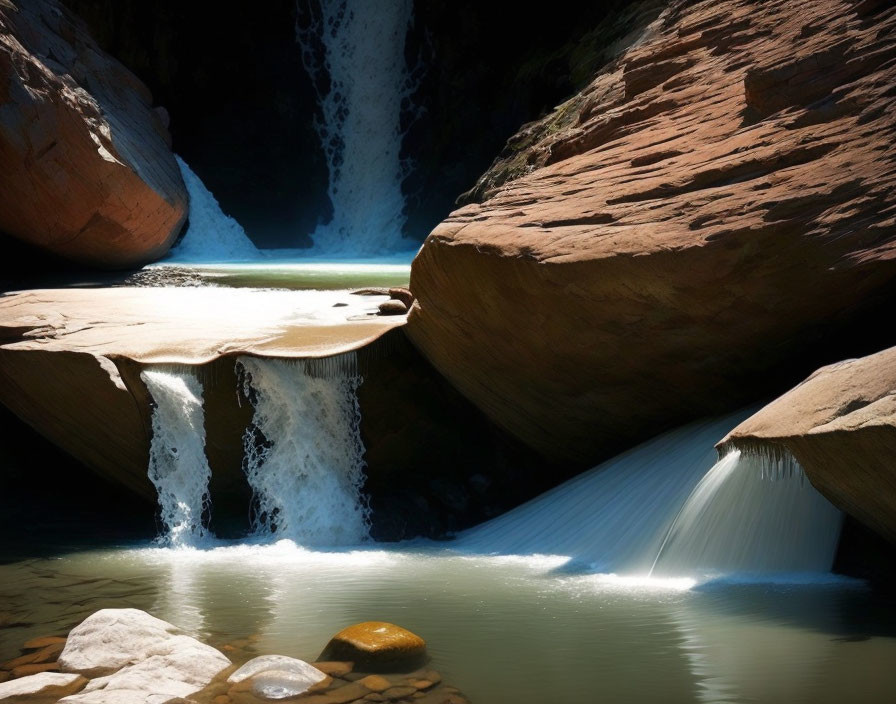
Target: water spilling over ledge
x: 663, y: 511
x: 303, y: 452
x: 668, y: 509
x: 749, y: 514
x: 178, y: 467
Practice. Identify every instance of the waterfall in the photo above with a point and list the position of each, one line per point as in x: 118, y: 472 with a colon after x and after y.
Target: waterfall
x: 667, y: 506
x: 211, y: 235
x: 367, y: 81
x: 304, y: 455
x: 614, y: 516
x: 178, y: 467
x: 751, y: 513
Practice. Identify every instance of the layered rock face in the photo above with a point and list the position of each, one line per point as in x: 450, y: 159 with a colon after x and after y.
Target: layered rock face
x: 717, y: 203
x: 88, y: 171
x: 840, y: 425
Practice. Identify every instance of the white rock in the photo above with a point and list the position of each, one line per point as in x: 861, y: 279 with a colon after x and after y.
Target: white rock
x: 148, y: 660
x: 44, y: 685
x: 113, y: 638
x: 279, y: 663
x: 280, y: 684
x: 276, y: 676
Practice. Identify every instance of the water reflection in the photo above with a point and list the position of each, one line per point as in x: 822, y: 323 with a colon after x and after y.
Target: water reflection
x: 502, y: 629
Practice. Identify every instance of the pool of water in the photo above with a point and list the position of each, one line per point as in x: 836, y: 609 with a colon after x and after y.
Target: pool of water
x: 294, y: 275
x: 320, y: 275
x: 502, y: 629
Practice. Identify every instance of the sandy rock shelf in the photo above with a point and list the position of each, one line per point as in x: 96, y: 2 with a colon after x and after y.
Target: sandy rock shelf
x: 191, y: 325
x: 70, y: 359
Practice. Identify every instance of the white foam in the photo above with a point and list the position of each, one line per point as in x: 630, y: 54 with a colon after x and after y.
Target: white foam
x: 304, y: 455
x: 211, y: 235
x: 178, y: 467
x: 360, y: 130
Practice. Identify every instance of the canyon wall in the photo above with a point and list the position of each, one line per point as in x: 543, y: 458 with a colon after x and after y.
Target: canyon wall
x: 88, y: 172
x: 709, y: 219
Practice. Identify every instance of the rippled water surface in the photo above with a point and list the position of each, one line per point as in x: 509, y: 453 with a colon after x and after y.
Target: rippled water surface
x: 501, y: 629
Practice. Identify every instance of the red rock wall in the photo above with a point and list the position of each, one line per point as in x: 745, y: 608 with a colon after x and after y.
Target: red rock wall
x: 87, y: 169
x: 717, y: 205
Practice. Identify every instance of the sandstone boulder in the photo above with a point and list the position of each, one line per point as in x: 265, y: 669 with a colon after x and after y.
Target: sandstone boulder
x: 88, y: 172
x: 715, y: 205
x: 840, y: 425
x: 376, y: 646
x: 393, y: 308
x: 402, y: 294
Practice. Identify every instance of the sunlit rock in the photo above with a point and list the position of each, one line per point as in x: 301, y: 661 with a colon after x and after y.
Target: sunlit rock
x: 713, y: 208
x: 277, y: 676
x: 87, y: 168
x: 40, y: 688
x: 136, y: 658
x: 376, y: 646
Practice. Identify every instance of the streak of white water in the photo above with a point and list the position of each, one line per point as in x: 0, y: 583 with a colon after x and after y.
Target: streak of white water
x: 667, y: 509
x: 211, y: 235
x: 178, y: 467
x: 747, y: 515
x: 360, y: 130
x: 304, y: 455
x: 613, y: 517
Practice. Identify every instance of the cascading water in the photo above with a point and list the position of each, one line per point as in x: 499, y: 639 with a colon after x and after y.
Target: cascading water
x: 304, y: 455
x: 613, y: 517
x: 211, y: 235
x: 178, y: 467
x: 665, y: 508
x: 367, y: 79
x: 752, y: 513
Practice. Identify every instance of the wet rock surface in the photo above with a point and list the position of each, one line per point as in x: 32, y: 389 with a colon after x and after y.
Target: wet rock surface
x: 376, y: 646
x: 158, y: 664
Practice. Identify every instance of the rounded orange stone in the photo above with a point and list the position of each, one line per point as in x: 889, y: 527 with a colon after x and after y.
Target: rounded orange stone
x: 377, y: 646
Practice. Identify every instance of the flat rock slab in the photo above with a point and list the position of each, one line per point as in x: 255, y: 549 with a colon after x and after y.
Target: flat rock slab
x: 191, y: 325
x: 43, y: 686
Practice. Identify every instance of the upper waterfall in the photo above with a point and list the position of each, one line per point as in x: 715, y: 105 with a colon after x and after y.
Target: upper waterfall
x: 354, y: 52
x: 211, y: 236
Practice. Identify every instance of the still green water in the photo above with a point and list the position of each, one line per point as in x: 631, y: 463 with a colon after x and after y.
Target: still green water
x: 521, y: 630
x: 284, y: 275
